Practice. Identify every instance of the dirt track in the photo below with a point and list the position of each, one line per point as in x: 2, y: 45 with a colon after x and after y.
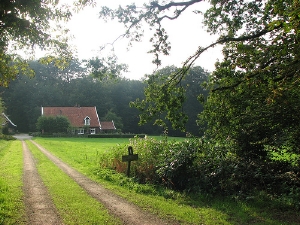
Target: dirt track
x: 39, y: 206
x: 38, y: 200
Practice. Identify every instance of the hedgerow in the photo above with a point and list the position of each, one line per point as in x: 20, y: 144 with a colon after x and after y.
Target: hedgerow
x: 197, y: 165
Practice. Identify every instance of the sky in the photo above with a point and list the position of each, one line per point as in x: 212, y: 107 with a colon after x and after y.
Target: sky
x: 186, y: 35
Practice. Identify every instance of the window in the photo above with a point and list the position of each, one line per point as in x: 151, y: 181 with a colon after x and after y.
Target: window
x: 93, y: 131
x: 81, y: 131
x: 87, y: 121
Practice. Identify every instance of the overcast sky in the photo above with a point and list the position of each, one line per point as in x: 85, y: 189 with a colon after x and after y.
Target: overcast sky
x: 186, y: 34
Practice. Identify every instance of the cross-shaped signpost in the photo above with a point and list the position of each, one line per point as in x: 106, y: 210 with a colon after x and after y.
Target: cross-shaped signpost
x: 128, y: 158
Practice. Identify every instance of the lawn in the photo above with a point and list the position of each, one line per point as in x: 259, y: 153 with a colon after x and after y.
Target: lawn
x: 11, y: 169
x: 84, y: 154
x: 69, y: 198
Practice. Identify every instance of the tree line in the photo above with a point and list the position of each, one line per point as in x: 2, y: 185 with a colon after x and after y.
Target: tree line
x: 73, y: 87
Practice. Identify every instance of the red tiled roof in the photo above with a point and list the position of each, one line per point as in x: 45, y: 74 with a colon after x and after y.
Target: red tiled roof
x: 76, y: 115
x: 107, y: 125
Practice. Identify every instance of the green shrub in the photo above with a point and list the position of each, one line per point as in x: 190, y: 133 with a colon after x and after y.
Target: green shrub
x: 116, y: 135
x: 144, y: 170
x: 160, y: 161
x: 51, y: 124
x: 7, y: 137
x: 198, y: 165
x: 150, y: 155
x: 5, y: 130
x: 176, y: 169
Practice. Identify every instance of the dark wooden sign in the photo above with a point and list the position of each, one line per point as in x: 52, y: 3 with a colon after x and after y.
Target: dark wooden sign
x: 130, y: 157
x: 127, y: 158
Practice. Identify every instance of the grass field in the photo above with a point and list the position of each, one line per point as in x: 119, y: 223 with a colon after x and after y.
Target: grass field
x: 70, y: 200
x: 84, y: 155
x: 11, y: 169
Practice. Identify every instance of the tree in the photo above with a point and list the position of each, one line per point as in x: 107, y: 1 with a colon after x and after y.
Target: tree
x: 258, y: 35
x: 178, y: 106
x: 111, y: 116
x: 74, y: 70
x: 194, y: 92
x: 104, y: 69
x: 30, y: 24
x: 49, y: 87
x: 256, y: 81
x: 51, y: 124
x: 122, y: 93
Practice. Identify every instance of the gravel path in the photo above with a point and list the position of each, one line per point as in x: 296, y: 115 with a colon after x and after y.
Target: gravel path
x: 127, y: 212
x: 39, y: 206
x: 22, y: 136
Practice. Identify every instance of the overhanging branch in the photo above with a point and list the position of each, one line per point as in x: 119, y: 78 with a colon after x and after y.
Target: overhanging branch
x: 178, y: 76
x: 288, y: 74
x: 173, y: 4
x: 178, y: 13
x: 185, y: 5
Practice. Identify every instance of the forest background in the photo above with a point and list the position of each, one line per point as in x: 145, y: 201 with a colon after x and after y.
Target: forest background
x: 74, y: 87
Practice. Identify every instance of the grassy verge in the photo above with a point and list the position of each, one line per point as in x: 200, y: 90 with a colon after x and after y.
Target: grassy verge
x: 11, y: 169
x: 188, y: 209
x: 73, y: 203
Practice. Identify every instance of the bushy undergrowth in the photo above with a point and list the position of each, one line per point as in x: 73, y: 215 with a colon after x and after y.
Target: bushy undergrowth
x: 195, y: 165
x: 6, y: 137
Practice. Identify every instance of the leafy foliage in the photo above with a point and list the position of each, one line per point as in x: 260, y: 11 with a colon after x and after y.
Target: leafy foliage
x: 111, y: 116
x: 104, y: 69
x: 134, y: 19
x: 254, y: 98
x: 176, y: 169
x: 199, y: 165
x: 251, y: 113
x: 165, y: 99
x: 50, y: 124
x: 28, y: 25
x: 252, y: 117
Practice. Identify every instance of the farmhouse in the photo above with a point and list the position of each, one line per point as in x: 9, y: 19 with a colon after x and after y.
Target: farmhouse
x: 84, y: 120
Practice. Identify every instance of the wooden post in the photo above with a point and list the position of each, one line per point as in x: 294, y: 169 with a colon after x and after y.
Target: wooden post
x: 128, y: 168
x: 128, y: 158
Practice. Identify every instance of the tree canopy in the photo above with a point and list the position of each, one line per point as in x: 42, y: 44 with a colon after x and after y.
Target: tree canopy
x: 253, y: 99
x: 27, y: 25
x: 177, y: 106
x: 257, y: 35
x: 251, y: 113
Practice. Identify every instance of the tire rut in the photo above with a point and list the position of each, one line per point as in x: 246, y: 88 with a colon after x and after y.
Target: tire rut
x: 39, y: 206
x: 127, y: 212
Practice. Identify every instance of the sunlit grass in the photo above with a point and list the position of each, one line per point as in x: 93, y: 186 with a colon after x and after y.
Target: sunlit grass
x: 185, y: 208
x: 11, y: 169
x: 74, y: 205
x: 82, y: 152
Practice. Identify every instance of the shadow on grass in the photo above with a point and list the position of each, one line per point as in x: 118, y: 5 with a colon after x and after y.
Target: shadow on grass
x: 258, y: 209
